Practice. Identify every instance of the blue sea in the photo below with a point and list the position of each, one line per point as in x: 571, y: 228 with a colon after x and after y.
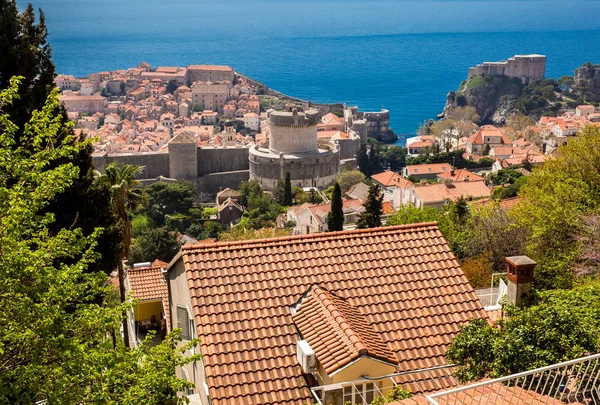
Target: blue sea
x: 402, y: 55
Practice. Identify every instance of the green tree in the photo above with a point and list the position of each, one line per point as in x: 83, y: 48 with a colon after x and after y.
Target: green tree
x: 562, y: 325
x: 172, y: 86
x: 362, y: 159
x: 371, y: 217
x: 166, y: 199
x: 212, y: 230
x: 126, y: 196
x: 262, y: 212
x: 152, y: 244
x: 394, y: 157
x: 553, y: 201
x: 486, y: 150
x: 57, y: 315
x: 287, y: 190
x: 84, y: 204
x: 494, y: 233
x: 335, y: 218
x: 349, y: 178
x: 248, y: 190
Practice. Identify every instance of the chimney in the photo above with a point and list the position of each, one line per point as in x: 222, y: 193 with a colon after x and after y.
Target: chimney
x: 466, y: 178
x: 519, y: 272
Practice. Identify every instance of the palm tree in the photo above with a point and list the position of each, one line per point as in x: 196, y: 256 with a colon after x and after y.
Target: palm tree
x: 126, y: 196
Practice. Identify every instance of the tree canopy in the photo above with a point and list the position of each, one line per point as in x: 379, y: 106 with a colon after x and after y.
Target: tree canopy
x: 371, y: 217
x: 562, y: 325
x: 554, y: 201
x: 57, y: 316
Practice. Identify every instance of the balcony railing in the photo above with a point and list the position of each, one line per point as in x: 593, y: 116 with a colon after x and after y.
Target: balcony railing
x: 572, y: 382
x: 367, y: 390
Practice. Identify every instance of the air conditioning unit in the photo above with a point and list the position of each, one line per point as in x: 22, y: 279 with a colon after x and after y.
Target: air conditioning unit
x: 306, y: 356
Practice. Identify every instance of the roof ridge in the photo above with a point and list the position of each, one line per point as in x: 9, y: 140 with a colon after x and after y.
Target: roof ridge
x: 327, y: 300
x: 324, y: 235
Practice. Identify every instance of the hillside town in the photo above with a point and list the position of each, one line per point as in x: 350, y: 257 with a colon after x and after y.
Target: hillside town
x: 187, y: 235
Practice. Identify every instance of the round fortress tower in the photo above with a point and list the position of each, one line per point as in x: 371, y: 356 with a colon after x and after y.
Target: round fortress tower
x: 294, y: 147
x: 293, y: 132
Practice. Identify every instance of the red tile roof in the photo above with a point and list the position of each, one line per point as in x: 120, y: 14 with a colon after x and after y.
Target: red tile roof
x: 496, y: 394
x: 390, y: 179
x: 432, y: 168
x: 404, y: 280
x: 488, y: 130
x: 461, y: 175
x: 148, y: 283
x: 337, y: 332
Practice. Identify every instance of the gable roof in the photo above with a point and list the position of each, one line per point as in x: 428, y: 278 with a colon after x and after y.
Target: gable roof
x: 488, y: 130
x: 403, y: 279
x: 440, y: 192
x: 337, y: 331
x: 391, y: 179
x: 359, y: 191
x: 433, y: 168
x: 461, y: 175
x: 148, y: 283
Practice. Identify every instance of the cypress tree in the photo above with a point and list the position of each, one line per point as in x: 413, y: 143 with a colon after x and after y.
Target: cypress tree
x: 364, y: 163
x: 335, y: 218
x: 371, y: 217
x: 287, y: 190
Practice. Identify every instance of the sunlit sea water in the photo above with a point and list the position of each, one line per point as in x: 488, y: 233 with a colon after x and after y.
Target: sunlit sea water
x: 402, y: 55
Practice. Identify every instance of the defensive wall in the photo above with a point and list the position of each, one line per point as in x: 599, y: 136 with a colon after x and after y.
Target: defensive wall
x: 523, y: 67
x: 210, y: 168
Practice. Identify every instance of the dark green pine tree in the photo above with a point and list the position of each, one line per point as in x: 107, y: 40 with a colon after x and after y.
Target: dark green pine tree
x: 24, y: 51
x: 371, y: 217
x: 287, y: 190
x: 335, y: 218
x: 364, y: 163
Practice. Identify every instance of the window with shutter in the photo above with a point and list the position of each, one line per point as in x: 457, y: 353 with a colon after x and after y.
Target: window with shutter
x: 183, y: 322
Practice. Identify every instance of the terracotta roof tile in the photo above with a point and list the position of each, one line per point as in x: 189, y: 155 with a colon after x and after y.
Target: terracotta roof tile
x: 403, y: 280
x: 148, y: 283
x: 390, y: 179
x: 337, y: 331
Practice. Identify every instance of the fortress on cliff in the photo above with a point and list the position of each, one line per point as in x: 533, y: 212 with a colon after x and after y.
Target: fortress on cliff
x: 523, y: 67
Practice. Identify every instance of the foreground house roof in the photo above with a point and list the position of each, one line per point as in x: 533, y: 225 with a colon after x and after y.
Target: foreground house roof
x: 149, y: 284
x: 402, y: 283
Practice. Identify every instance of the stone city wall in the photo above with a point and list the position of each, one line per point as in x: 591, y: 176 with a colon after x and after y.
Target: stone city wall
x: 216, y: 160
x: 154, y: 164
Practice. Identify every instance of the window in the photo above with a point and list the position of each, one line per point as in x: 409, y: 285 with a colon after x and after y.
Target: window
x: 361, y: 394
x: 183, y: 322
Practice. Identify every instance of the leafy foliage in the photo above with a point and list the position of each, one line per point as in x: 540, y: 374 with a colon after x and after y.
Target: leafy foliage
x: 553, y: 201
x: 454, y: 158
x: 371, y: 217
x: 84, y: 204
x: 395, y: 394
x: 154, y: 243
x: 563, y: 325
x: 57, y: 316
x: 347, y: 179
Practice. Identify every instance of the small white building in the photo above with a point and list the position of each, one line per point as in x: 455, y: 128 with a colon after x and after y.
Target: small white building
x: 252, y: 121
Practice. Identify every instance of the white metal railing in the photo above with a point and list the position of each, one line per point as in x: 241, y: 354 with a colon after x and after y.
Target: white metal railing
x: 575, y: 381
x: 366, y: 390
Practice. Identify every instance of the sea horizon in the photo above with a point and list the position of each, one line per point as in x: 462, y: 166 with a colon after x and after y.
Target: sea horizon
x: 399, y: 55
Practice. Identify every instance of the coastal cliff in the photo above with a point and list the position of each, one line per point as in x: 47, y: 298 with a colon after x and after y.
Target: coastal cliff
x: 496, y: 98
x: 493, y: 97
